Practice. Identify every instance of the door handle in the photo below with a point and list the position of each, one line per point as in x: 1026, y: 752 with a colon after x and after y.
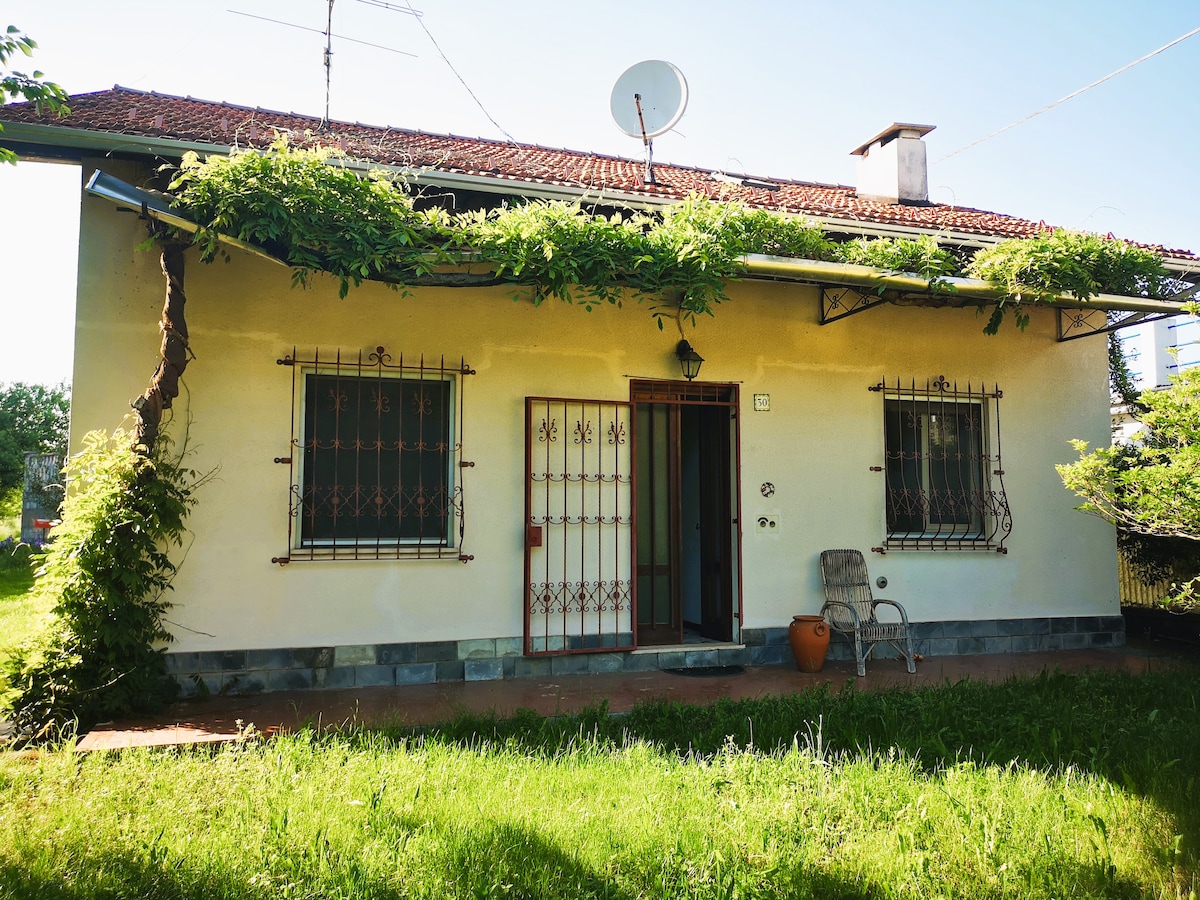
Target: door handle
x: 533, y: 535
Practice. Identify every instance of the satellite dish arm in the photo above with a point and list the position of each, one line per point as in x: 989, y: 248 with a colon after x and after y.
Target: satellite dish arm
x: 648, y: 178
x: 637, y: 101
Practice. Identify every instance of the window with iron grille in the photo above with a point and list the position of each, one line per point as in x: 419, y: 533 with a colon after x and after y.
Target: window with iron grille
x: 375, y: 458
x: 944, y: 480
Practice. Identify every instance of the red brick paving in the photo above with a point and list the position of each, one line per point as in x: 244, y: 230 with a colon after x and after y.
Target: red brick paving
x: 224, y: 718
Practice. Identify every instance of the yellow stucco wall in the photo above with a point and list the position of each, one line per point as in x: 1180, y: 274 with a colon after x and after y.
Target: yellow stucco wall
x: 816, y: 444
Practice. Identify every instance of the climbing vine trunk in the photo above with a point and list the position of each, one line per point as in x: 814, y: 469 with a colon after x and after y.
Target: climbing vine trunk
x: 164, y: 385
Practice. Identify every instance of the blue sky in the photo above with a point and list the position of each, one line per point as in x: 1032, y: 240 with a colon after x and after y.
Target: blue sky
x: 783, y: 89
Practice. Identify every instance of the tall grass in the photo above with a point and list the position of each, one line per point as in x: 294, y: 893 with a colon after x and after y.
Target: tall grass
x: 1062, y: 786
x: 22, y: 613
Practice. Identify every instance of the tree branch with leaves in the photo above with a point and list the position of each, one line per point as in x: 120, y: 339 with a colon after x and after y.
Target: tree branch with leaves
x: 33, y: 88
x: 1152, y: 488
x: 312, y: 210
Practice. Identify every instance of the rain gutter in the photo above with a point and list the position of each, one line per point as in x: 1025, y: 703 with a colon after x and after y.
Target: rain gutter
x: 951, y: 291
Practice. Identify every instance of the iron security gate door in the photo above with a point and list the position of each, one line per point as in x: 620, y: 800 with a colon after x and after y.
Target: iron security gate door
x: 579, y: 526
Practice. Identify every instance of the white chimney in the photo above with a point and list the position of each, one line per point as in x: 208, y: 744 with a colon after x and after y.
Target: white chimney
x: 891, y: 165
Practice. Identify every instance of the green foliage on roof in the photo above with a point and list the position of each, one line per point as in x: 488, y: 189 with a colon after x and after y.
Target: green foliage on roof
x: 302, y: 207
x: 921, y: 256
x: 312, y: 211
x: 1053, y: 263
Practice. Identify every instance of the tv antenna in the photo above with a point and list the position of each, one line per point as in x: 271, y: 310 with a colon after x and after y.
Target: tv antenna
x: 329, y: 36
x: 648, y: 100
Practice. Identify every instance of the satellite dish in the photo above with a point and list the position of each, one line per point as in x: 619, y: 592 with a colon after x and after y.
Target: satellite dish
x: 649, y: 99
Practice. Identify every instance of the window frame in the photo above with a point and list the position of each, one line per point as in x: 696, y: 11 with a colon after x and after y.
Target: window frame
x: 359, y: 370
x: 976, y: 480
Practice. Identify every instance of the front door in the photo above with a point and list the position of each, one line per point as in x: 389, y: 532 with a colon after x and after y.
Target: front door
x: 685, y: 503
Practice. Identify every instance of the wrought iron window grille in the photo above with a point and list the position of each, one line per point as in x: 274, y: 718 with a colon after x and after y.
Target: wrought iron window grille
x: 376, y: 457
x: 944, y: 479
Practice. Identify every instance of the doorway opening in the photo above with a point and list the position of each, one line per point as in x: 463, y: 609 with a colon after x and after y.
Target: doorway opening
x: 686, y: 509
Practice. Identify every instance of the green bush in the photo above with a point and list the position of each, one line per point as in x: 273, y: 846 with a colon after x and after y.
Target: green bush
x: 107, y: 571
x: 17, y: 556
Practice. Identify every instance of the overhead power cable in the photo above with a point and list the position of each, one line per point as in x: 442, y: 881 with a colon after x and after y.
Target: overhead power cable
x: 321, y: 31
x: 478, y: 102
x: 1050, y: 106
x: 382, y: 4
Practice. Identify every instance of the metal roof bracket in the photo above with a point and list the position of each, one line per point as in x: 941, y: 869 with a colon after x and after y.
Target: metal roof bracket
x: 1080, y: 323
x: 839, y: 301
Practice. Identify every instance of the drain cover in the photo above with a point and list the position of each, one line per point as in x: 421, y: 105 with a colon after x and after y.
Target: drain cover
x: 708, y: 671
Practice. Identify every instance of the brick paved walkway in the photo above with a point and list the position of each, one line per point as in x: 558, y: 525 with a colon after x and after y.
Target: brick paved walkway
x: 224, y: 718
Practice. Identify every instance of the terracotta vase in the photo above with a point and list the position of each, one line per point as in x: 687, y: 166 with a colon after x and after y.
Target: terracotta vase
x: 809, y: 637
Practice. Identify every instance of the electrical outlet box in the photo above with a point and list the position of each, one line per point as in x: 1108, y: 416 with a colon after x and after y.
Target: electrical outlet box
x: 767, y: 523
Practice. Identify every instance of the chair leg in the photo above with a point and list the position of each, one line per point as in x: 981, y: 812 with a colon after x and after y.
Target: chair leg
x: 859, y: 656
x: 911, y: 657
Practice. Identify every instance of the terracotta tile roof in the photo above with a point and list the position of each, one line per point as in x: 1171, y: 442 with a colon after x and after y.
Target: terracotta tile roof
x: 124, y: 111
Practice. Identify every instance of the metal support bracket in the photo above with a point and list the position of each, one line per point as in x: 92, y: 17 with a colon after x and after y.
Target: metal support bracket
x: 839, y: 301
x: 1079, y: 323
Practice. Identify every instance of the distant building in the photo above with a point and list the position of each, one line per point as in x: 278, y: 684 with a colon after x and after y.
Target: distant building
x: 41, y: 497
x: 1154, y: 351
x: 1157, y: 350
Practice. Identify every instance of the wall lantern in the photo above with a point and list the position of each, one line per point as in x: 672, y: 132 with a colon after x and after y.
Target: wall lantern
x: 689, y: 360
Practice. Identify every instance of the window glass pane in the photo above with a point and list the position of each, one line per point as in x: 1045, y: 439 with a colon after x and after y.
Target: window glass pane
x: 934, y: 457
x: 376, y: 460
x: 953, y: 463
x: 905, y: 512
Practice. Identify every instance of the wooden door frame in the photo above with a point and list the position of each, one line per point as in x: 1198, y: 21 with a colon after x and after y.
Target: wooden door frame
x: 707, y: 394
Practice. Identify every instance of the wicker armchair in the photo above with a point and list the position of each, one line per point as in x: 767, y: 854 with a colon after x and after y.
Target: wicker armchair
x: 851, y: 610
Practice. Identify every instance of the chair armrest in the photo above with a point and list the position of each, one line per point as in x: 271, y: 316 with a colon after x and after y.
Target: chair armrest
x: 903, y: 614
x: 848, y: 607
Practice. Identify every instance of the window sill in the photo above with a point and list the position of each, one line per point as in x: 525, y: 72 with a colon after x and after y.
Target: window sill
x: 963, y: 544
x: 372, y: 553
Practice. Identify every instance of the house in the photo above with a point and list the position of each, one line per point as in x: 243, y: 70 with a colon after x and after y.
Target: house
x: 541, y: 490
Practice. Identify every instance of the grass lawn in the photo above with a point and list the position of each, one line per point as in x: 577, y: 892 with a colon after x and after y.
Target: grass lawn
x: 21, y: 613
x: 1057, y: 786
